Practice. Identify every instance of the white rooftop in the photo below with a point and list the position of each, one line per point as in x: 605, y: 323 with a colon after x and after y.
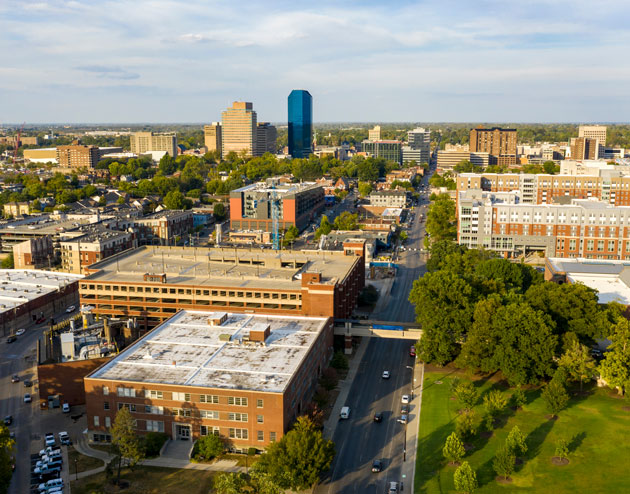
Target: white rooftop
x: 18, y: 286
x: 610, y: 288
x: 189, y: 350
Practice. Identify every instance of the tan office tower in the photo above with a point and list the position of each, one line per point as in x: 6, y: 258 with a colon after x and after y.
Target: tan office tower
x: 239, y: 129
x: 499, y: 143
x: 77, y: 156
x: 143, y: 142
x: 212, y: 136
x: 266, y: 138
x: 593, y: 132
x: 375, y: 133
x: 583, y: 148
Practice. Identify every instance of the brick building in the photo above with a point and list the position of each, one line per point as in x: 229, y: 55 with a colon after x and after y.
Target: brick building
x: 163, y: 227
x: 500, y: 144
x: 153, y: 283
x: 243, y: 377
x: 96, y: 244
x: 34, y: 253
x: 251, y: 206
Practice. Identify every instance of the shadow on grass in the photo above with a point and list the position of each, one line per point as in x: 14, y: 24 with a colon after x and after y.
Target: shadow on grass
x: 576, y: 441
x: 578, y: 396
x: 537, y: 437
x: 430, y: 459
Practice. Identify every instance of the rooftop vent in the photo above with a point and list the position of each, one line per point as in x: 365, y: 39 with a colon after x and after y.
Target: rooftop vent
x: 259, y: 332
x: 217, y: 318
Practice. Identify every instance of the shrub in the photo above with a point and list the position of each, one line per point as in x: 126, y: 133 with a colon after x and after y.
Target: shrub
x: 515, y: 442
x: 153, y: 442
x: 518, y: 397
x: 208, y: 447
x: 562, y: 448
x: 503, y: 463
x: 321, y: 396
x: 339, y: 360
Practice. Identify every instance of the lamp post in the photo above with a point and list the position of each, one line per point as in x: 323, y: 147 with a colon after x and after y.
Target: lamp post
x: 76, y: 469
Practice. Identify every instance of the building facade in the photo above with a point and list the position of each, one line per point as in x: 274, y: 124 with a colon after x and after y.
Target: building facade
x: 34, y: 253
x: 300, y: 132
x: 146, y: 142
x: 584, y: 148
x: 44, y: 155
x: 78, y: 156
x: 266, y: 137
x: 418, y: 147
x: 152, y: 283
x: 242, y: 377
x: 374, y: 134
x: 97, y: 244
x: 212, y: 136
x: 163, y: 227
x: 389, y: 198
x: 500, y: 144
x: 593, y: 132
x: 389, y: 150
x: 251, y: 206
x: 239, y: 129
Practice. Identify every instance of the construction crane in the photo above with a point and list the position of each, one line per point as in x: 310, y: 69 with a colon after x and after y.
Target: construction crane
x: 17, y: 142
x: 275, y: 218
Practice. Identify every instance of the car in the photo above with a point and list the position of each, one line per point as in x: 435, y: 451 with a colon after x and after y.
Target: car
x: 378, y: 416
x: 405, y: 399
x: 48, y: 458
x: 412, y: 351
x: 402, y: 419
x: 40, y: 320
x: 393, y: 488
x: 15, y: 378
x: 64, y: 438
x: 385, y: 375
x: 596, y: 353
x: 50, y: 466
x: 377, y: 466
x: 47, y: 486
x: 11, y: 338
x: 28, y: 383
x: 27, y: 398
x: 49, y: 451
x: 8, y: 420
x: 50, y: 439
x: 70, y: 309
x: 20, y: 332
x: 65, y: 408
x: 404, y: 409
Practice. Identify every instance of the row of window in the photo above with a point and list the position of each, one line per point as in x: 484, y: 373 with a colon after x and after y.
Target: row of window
x: 179, y: 396
x: 189, y: 291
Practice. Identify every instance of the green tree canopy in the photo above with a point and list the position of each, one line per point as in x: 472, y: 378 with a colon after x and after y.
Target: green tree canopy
x: 440, y: 223
x: 125, y: 439
x: 615, y: 368
x: 465, y: 479
x: 453, y: 449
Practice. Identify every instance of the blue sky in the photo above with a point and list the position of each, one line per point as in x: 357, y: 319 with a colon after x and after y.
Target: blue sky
x: 185, y: 61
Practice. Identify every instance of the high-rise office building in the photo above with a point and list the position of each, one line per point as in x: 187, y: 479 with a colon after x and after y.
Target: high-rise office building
x: 500, y: 144
x: 419, y: 146
x: 266, y: 136
x: 375, y: 133
x: 584, y: 148
x: 594, y: 132
x: 144, y: 142
x: 78, y: 156
x: 212, y: 136
x: 300, y: 123
x: 239, y: 129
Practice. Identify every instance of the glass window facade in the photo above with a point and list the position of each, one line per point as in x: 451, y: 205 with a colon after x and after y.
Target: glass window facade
x: 300, y: 123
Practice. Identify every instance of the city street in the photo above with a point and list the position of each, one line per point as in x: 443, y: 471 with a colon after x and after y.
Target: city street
x: 360, y: 440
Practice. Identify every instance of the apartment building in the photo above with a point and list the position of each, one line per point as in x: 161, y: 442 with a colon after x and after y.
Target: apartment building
x: 448, y: 159
x: 389, y: 150
x: 163, y: 227
x: 499, y: 143
x: 584, y: 148
x: 251, y: 206
x: 582, y: 228
x: 610, y: 186
x: 239, y: 129
x: 153, y: 283
x: 14, y: 209
x: 242, y: 377
x: 212, y: 136
x: 389, y: 198
x: 147, y: 142
x: 418, y: 146
x: 78, y: 156
x: 96, y: 244
x: 266, y: 137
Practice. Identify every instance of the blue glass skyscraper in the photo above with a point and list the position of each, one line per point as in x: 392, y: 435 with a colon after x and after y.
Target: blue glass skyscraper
x: 300, y: 123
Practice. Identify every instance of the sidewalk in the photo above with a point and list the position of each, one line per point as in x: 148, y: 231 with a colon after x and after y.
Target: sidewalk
x: 409, y: 465
x: 331, y: 424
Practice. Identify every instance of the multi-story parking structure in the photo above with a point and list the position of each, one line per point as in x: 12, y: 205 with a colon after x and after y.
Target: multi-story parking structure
x: 244, y: 377
x: 153, y: 283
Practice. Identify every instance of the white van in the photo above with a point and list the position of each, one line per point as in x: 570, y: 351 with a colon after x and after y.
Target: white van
x: 50, y: 484
x: 345, y: 413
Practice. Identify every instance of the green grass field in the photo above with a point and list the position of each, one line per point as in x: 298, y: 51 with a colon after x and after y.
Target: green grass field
x: 596, y: 426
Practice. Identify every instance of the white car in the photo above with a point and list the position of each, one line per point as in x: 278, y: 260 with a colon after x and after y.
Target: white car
x: 20, y: 332
x: 70, y: 309
x: 27, y: 398
x: 405, y: 399
x: 65, y: 408
x: 385, y: 375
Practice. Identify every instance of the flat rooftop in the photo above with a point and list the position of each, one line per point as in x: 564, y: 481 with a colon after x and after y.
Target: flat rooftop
x: 19, y: 286
x: 42, y: 225
x: 229, y: 267
x: 193, y: 348
x: 280, y: 188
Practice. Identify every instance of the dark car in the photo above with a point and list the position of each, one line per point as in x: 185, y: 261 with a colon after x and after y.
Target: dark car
x: 40, y: 320
x: 15, y: 378
x: 378, y: 417
x: 8, y: 420
x: 377, y: 466
x: 11, y: 338
x: 404, y: 409
x: 28, y: 383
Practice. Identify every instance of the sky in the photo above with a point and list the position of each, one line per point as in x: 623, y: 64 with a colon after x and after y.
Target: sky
x: 130, y: 61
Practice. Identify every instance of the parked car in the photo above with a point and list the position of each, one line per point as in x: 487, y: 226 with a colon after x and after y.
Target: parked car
x: 15, y: 378
x: 404, y: 409
x: 50, y: 439
x: 378, y: 417
x: 8, y: 420
x: 11, y: 338
x: 28, y: 383
x: 402, y: 419
x: 70, y: 309
x: 27, y: 398
x: 64, y: 438
x: 385, y: 374
x: 405, y: 399
x: 40, y: 320
x: 20, y: 332
x: 65, y: 408
x: 50, y: 466
x: 393, y: 488
x: 49, y: 451
x: 377, y: 466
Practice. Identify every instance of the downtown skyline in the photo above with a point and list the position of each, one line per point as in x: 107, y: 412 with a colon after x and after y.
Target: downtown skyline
x: 169, y: 61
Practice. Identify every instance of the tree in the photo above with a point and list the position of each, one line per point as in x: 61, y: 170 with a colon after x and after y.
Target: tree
x: 365, y: 188
x: 515, y: 442
x: 339, y: 360
x: 555, y: 396
x: 219, y: 211
x: 209, y: 447
x: 167, y: 165
x: 6, y: 460
x: 262, y: 483
x: 615, y: 368
x: 325, y: 227
x: 440, y: 223
x: 174, y: 200
x: 453, y: 449
x: 518, y: 397
x: 297, y: 460
x: 465, y: 479
x: 503, y: 463
x: 562, y: 449
x: 346, y: 221
x: 466, y: 425
x: 230, y: 483
x: 8, y: 262
x: 495, y: 403
x: 125, y: 439
x: 464, y: 166
x: 292, y: 234
x: 467, y: 395
x: 578, y: 362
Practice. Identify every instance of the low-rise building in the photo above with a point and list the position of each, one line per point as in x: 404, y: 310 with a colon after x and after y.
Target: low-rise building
x: 34, y: 253
x: 163, y: 227
x: 13, y: 209
x: 390, y: 150
x: 389, y: 198
x: 96, y: 243
x: 243, y: 377
x: 42, y: 155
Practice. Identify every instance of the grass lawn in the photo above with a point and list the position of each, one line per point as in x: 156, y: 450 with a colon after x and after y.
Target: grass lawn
x: 595, y: 425
x: 83, y: 463
x: 149, y: 480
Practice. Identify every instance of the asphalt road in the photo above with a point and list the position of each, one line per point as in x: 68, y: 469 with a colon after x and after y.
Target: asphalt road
x: 20, y: 358
x: 359, y: 440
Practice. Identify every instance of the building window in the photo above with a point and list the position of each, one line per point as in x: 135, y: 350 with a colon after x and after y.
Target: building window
x: 151, y: 393
x: 235, y: 400
x: 129, y: 392
x: 129, y: 406
x: 155, y: 426
x: 209, y: 414
x: 154, y: 409
x: 106, y: 405
x: 209, y: 399
x: 181, y: 396
x: 259, y: 403
x: 261, y: 435
x: 238, y: 433
x: 207, y: 430
x: 96, y: 421
x: 260, y: 419
x: 108, y: 422
x: 237, y: 417
x: 272, y: 436
x: 105, y: 390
